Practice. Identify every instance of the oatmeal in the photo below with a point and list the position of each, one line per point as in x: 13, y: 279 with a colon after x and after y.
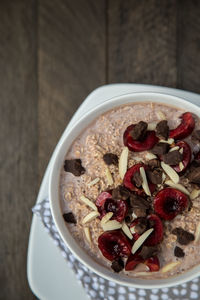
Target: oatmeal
x: 129, y: 190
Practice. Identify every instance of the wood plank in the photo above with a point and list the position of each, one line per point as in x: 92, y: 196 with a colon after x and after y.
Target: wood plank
x: 142, y: 42
x: 188, y: 49
x: 18, y: 139
x: 71, y: 64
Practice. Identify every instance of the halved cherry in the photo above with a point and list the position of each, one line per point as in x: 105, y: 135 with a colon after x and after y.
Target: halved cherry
x: 149, y: 141
x: 133, y: 261
x: 128, y: 183
x: 114, y: 244
x: 106, y: 204
x: 186, y: 156
x: 152, y: 263
x: 185, y: 128
x: 157, y: 235
x: 170, y: 202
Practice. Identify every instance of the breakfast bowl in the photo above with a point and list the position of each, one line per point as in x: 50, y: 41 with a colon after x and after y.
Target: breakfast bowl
x: 54, y: 189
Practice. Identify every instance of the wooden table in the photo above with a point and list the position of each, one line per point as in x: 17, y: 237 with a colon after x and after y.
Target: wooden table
x: 52, y: 54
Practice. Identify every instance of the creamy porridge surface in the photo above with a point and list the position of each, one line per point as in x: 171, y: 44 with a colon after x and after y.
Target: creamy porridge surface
x: 105, y: 135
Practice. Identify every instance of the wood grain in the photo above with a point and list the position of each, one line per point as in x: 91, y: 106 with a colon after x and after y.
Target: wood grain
x: 18, y: 140
x: 71, y: 64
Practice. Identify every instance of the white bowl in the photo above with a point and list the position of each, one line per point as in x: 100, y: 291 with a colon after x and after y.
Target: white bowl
x: 57, y: 164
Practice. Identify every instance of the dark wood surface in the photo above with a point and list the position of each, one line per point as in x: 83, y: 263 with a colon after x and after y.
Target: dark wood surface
x: 52, y: 54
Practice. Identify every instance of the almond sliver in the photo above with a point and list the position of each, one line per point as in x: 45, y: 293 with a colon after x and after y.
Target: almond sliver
x: 126, y: 230
x: 144, y: 273
x: 88, y: 202
x: 174, y: 148
x: 141, y: 240
x: 93, y: 182
x: 181, y: 166
x: 132, y: 229
x: 177, y: 186
x: 181, y: 150
x: 106, y: 218
x: 111, y: 225
x: 194, y: 194
x: 91, y: 216
x: 170, y: 266
x: 170, y: 172
x: 197, y: 233
x: 109, y: 176
x: 87, y: 234
x: 169, y: 141
x: 150, y: 156
x: 151, y: 126
x: 123, y: 162
x: 145, y: 183
x: 163, y: 177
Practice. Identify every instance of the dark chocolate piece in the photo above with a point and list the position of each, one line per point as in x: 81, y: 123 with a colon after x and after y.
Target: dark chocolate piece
x: 162, y: 129
x: 141, y: 227
x: 139, y: 202
x: 172, y: 158
x: 117, y: 265
x: 154, y: 163
x: 183, y: 237
x: 194, y: 175
x: 139, y: 131
x: 137, y: 179
x: 178, y: 252
x: 160, y: 148
x: 120, y: 193
x: 155, y: 176
x: 74, y: 166
x: 69, y: 218
x: 148, y: 252
x: 110, y: 159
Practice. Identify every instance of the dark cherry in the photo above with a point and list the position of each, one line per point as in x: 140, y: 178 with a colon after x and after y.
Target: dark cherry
x: 147, y: 143
x: 157, y: 235
x: 185, y: 128
x: 153, y: 264
x: 186, y: 156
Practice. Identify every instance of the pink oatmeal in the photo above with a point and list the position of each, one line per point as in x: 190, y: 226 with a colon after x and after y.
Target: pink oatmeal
x: 105, y: 135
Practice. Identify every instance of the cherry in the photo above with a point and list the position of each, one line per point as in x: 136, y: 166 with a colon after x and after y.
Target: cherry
x: 157, y: 235
x: 186, y: 156
x: 185, y: 128
x: 170, y: 202
x: 114, y: 244
x: 152, y: 263
x: 128, y: 183
x: 147, y: 143
x: 133, y: 261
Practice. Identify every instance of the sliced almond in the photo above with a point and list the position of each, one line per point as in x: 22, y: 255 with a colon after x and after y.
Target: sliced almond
x: 170, y: 266
x: 126, y: 230
x: 132, y: 229
x: 87, y: 234
x: 194, y: 194
x: 141, y: 240
x: 88, y: 202
x: 143, y: 273
x: 150, y: 156
x: 137, y: 158
x: 123, y: 162
x: 163, y: 177
x: 181, y: 166
x: 169, y: 141
x: 91, y: 216
x: 134, y: 216
x: 109, y: 176
x: 144, y: 181
x: 197, y: 233
x: 93, y: 182
x: 106, y: 218
x: 181, y: 150
x: 170, y: 172
x: 160, y: 115
x: 174, y: 148
x: 111, y: 225
x: 151, y: 126
x: 177, y: 186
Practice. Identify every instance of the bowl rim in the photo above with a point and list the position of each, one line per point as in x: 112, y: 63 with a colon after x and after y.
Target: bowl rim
x: 58, y: 157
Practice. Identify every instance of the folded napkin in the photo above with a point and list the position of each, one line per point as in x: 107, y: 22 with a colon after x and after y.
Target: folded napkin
x: 99, y: 288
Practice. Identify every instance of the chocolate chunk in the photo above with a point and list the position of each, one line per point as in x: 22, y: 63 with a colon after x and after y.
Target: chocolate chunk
x: 120, y: 193
x: 110, y: 159
x: 184, y: 237
x: 74, y: 166
x: 139, y: 202
x: 178, y: 252
x: 162, y: 129
x: 194, y: 175
x: 139, y: 131
x: 155, y: 176
x: 117, y: 265
x: 140, y: 212
x: 172, y: 158
x: 137, y: 179
x: 147, y: 252
x: 154, y: 163
x: 141, y: 227
x: 160, y: 148
x: 196, y: 135
x: 69, y: 218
